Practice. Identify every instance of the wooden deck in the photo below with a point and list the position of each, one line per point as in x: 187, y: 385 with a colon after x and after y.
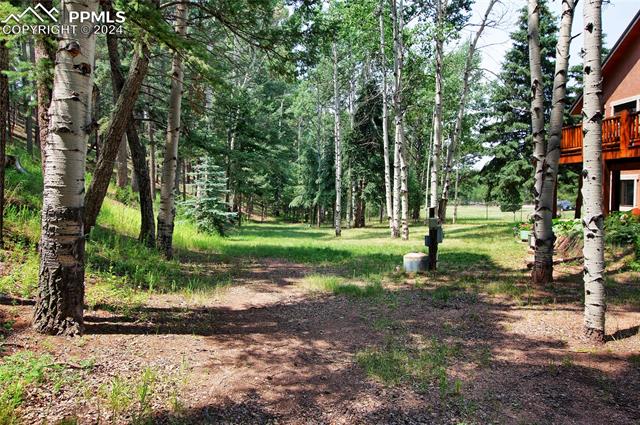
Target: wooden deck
x: 620, y: 139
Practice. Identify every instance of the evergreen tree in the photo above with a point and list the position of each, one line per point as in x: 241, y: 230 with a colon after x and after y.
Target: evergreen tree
x: 364, y: 150
x: 507, y: 132
x: 208, y: 208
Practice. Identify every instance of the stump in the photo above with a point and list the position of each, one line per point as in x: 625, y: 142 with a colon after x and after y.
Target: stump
x: 415, y: 262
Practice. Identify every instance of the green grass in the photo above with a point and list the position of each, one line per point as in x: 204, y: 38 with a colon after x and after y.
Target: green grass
x: 121, y: 273
x: 476, y: 255
x: 340, y: 286
x: 471, y: 213
x: 20, y: 371
x: 398, y: 363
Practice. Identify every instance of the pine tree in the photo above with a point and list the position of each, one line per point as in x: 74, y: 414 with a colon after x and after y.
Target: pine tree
x: 365, y: 151
x: 208, y: 208
x: 508, y: 129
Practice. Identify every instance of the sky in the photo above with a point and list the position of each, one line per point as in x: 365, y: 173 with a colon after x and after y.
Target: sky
x: 495, y: 41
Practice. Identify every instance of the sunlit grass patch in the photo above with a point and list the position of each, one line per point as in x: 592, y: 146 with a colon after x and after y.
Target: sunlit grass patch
x: 20, y: 371
x: 505, y: 287
x: 23, y: 264
x: 341, y: 286
x: 397, y: 363
x: 623, y: 293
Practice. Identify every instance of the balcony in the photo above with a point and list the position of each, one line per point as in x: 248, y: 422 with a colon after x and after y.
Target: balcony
x: 620, y: 139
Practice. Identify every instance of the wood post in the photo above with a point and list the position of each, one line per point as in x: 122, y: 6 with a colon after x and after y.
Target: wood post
x: 615, y: 190
x: 606, y: 188
x: 625, y: 134
x: 433, y: 241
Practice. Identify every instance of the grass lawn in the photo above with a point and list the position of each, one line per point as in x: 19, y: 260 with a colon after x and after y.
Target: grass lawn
x: 279, y: 322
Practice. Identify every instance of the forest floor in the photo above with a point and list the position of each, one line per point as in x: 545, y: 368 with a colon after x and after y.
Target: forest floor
x: 287, y: 324
x: 301, y: 328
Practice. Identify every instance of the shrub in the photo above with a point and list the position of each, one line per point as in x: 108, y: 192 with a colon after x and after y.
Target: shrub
x: 567, y: 227
x: 624, y: 229
x: 127, y: 196
x: 208, y: 208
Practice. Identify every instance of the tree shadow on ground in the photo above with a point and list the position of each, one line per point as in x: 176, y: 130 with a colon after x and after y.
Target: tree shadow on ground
x: 295, y: 363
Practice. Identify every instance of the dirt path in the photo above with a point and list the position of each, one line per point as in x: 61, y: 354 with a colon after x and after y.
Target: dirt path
x: 269, y: 351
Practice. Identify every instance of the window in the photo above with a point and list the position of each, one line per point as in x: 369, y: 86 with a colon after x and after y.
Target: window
x: 628, y: 106
x: 627, y: 193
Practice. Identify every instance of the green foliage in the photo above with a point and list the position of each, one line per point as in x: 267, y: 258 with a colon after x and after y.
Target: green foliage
x: 364, y: 144
x: 208, y: 208
x: 340, y: 286
x: 20, y: 371
x: 126, y: 195
x: 567, y: 227
x: 508, y: 128
x: 131, y: 397
x: 396, y: 364
x: 624, y: 229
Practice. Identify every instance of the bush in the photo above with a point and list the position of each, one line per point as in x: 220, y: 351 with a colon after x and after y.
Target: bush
x: 567, y: 227
x: 622, y: 229
x: 208, y: 208
x: 127, y: 196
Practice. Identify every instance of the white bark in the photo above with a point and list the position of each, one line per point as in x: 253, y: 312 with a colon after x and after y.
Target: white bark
x: 60, y: 301
x: 167, y: 212
x: 457, y: 132
x: 542, y: 272
x: 437, y: 122
x: 401, y: 194
x: 385, y: 125
x: 338, y: 143
x: 537, y: 123
x: 593, y: 219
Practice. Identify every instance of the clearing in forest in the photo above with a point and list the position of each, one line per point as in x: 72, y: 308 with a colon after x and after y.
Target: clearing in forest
x: 287, y: 324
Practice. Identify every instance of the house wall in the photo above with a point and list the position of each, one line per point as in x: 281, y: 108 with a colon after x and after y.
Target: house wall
x: 623, y: 81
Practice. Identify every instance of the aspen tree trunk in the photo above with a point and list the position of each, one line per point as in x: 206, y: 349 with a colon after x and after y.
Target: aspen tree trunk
x: 43, y: 61
x: 455, y: 197
x: 437, y: 122
x: 4, y: 121
x: 60, y: 300
x: 539, y: 145
x: 401, y: 163
x: 96, y: 113
x: 396, y: 12
x: 337, y: 216
x: 352, y: 117
x: 457, y: 132
x: 427, y: 187
x: 120, y: 117
x: 349, y: 204
x: 592, y: 176
x: 385, y: 126
x: 542, y: 272
x: 167, y: 212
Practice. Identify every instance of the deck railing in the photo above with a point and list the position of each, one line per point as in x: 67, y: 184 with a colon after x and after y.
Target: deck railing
x: 635, y: 129
x: 619, y: 133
